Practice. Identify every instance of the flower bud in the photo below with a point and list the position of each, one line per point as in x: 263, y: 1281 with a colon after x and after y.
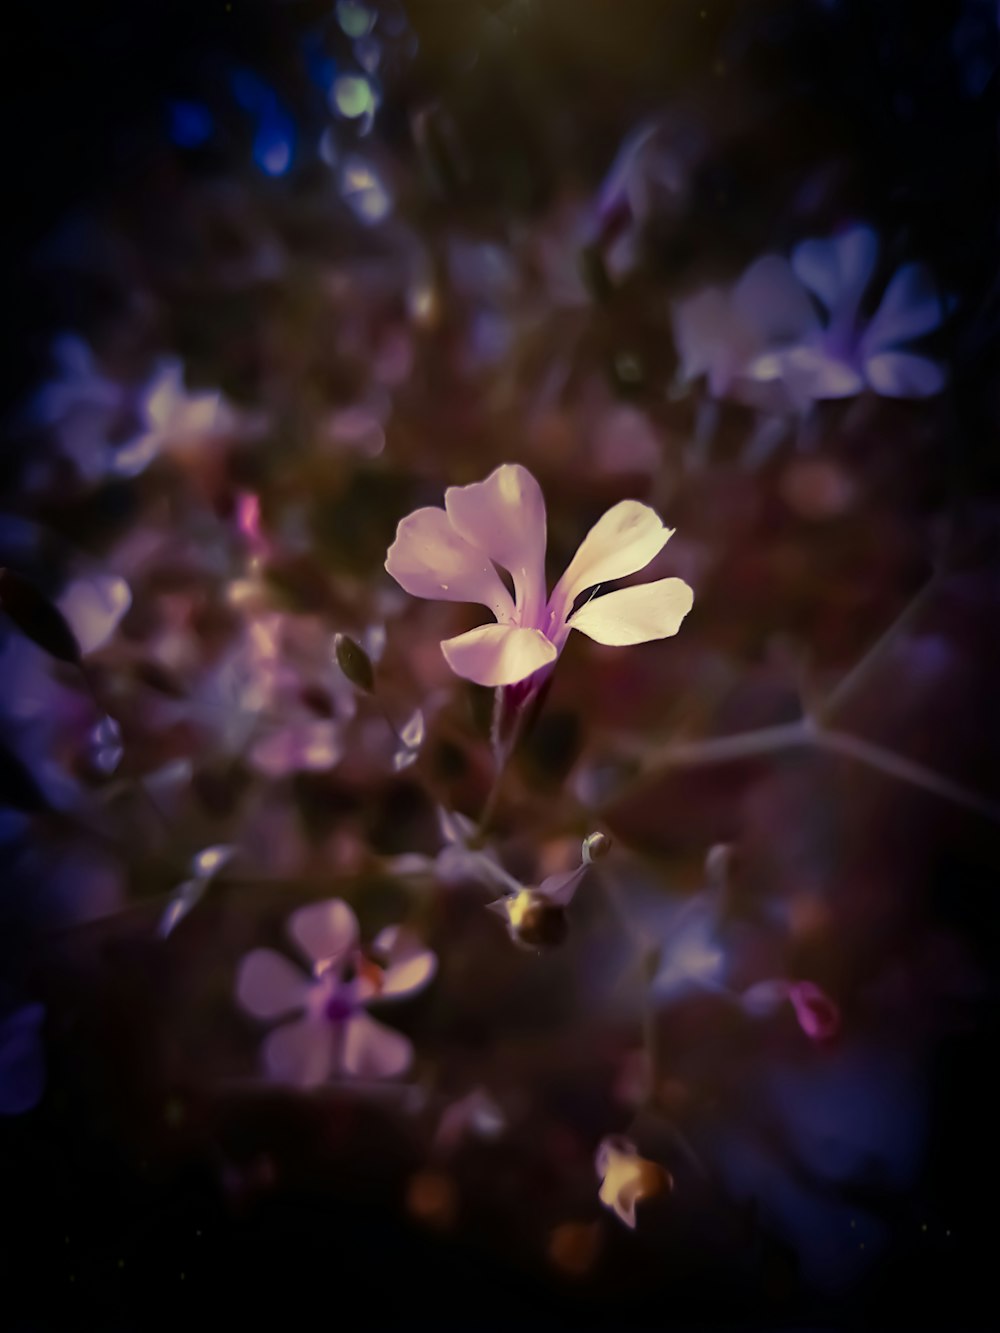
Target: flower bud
x: 595, y: 847
x: 354, y: 662
x: 533, y: 921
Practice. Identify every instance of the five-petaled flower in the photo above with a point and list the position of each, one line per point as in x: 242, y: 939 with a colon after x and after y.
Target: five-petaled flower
x: 450, y: 554
x: 334, y: 1035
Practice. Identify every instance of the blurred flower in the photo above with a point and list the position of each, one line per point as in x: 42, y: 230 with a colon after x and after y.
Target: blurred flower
x: 22, y: 1059
x: 476, y: 1114
x: 818, y: 1016
x: 335, y: 1035
x: 457, y: 862
x: 628, y: 1179
x: 172, y: 416
x: 449, y: 554
x: 838, y: 357
x: 765, y: 334
x: 79, y: 407
x: 93, y: 607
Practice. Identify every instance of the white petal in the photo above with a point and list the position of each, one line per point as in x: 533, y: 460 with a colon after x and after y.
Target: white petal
x: 621, y: 542
x: 636, y: 615
x: 301, y: 1053
x: 94, y: 607
x: 324, y: 931
x: 910, y: 308
x: 372, y: 1050
x: 838, y: 270
x: 771, y: 299
x: 409, y: 965
x: 904, y: 375
x: 430, y: 559
x: 505, y: 517
x: 498, y: 654
x: 268, y: 985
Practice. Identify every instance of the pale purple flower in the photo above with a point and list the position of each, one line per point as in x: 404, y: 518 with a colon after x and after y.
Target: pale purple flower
x: 840, y: 355
x: 172, y: 415
x: 333, y: 1035
x: 767, y: 334
x: 449, y: 554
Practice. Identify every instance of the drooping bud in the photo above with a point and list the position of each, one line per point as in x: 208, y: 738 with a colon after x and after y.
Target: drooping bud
x: 354, y: 662
x: 533, y: 921
x: 595, y: 847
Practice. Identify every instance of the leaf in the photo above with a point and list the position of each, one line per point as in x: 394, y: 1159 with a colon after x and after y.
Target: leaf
x: 37, y: 618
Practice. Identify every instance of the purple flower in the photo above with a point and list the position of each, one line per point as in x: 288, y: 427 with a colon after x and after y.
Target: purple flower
x: 449, y: 555
x: 334, y: 1035
x: 767, y: 333
x: 839, y: 357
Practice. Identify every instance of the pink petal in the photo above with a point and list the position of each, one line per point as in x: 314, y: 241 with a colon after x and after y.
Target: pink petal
x: 300, y: 1053
x: 498, y: 654
x: 621, y: 542
x: 409, y: 965
x: 818, y: 1015
x: 324, y: 931
x: 904, y: 375
x: 372, y: 1050
x: 430, y: 559
x: 635, y: 615
x: 910, y: 308
x: 505, y: 517
x: 268, y: 985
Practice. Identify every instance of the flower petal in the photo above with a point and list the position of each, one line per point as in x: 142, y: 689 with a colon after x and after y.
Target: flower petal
x: 268, y: 985
x: 770, y: 299
x: 635, y: 615
x: 300, y: 1053
x: 809, y: 372
x: 505, y: 517
x: 324, y: 931
x: 498, y: 654
x: 93, y: 607
x: 910, y: 308
x: 430, y: 559
x: 838, y: 270
x: 410, y: 966
x: 372, y: 1050
x: 904, y: 375
x: 621, y: 542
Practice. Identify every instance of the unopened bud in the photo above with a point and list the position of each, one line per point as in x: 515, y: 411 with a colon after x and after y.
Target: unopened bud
x: 354, y: 662
x: 595, y: 847
x: 532, y: 921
